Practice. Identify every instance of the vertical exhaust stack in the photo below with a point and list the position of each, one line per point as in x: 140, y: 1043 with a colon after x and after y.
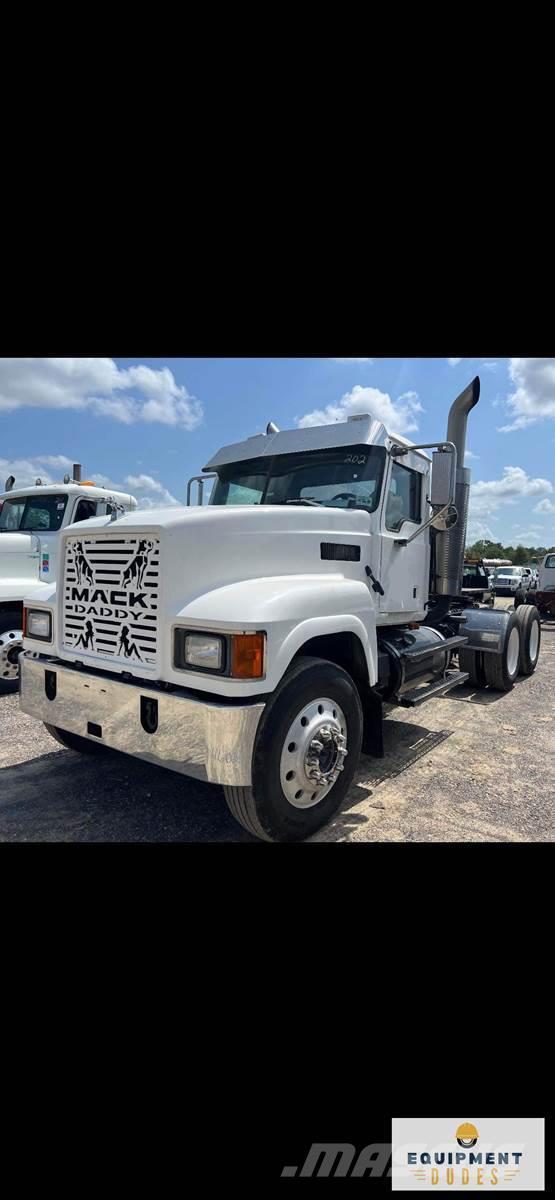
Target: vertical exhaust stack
x: 77, y: 472
x: 450, y: 545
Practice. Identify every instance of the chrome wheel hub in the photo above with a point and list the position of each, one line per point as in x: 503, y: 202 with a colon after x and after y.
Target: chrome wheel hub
x: 11, y: 645
x: 314, y: 753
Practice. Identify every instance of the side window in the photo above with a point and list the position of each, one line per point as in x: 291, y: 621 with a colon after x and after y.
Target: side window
x: 85, y: 510
x: 404, y: 497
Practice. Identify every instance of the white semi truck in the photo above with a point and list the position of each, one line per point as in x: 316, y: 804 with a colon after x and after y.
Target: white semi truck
x: 32, y: 520
x: 253, y: 642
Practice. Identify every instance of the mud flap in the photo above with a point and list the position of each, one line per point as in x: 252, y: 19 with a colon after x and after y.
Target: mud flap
x: 372, y: 735
x: 486, y: 629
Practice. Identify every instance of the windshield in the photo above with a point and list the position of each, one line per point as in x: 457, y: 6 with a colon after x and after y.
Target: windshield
x: 32, y: 513
x: 508, y: 571
x: 339, y: 478
x: 473, y: 569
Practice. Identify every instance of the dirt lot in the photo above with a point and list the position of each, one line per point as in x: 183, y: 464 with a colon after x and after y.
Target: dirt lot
x: 467, y: 767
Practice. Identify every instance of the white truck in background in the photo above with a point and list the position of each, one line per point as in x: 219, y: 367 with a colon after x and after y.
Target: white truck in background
x: 31, y: 523
x: 253, y: 642
x: 542, y: 592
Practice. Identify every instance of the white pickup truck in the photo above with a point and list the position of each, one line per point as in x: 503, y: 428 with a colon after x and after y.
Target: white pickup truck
x: 253, y: 642
x: 508, y: 580
x: 31, y: 523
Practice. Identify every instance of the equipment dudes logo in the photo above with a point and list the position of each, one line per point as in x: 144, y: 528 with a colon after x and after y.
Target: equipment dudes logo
x: 448, y: 1154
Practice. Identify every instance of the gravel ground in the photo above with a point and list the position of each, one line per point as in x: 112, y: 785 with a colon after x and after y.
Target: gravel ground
x: 465, y: 767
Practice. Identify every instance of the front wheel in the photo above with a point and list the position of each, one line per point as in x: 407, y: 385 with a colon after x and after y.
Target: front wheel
x: 306, y: 754
x: 11, y: 645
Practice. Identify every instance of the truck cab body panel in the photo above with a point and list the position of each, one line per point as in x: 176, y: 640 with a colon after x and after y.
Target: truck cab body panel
x: 404, y: 568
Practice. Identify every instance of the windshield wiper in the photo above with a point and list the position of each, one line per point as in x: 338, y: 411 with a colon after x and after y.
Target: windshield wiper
x: 305, y: 500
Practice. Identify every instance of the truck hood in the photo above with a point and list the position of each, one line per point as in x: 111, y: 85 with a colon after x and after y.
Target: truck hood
x: 124, y: 583
x: 206, y: 547
x: 19, y: 558
x: 231, y: 518
x: 18, y: 543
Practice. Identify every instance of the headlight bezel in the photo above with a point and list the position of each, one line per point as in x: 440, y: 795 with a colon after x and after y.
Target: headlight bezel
x: 41, y: 613
x: 228, y: 662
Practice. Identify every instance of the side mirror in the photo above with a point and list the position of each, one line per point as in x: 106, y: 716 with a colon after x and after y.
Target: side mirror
x: 443, y: 479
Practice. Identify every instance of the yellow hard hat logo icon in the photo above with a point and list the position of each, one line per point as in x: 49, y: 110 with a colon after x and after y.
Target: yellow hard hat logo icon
x: 467, y: 1135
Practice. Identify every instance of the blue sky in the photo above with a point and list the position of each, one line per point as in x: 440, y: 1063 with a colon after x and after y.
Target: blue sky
x: 149, y: 424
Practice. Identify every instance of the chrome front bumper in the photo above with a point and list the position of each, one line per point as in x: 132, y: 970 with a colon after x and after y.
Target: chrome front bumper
x: 212, y: 741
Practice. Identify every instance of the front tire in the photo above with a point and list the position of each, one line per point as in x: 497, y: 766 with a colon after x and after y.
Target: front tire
x: 72, y: 741
x: 11, y: 644
x: 520, y: 597
x: 305, y: 756
x: 530, y: 638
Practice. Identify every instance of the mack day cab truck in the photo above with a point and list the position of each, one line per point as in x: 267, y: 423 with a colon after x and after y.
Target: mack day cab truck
x: 253, y: 641
x: 31, y: 523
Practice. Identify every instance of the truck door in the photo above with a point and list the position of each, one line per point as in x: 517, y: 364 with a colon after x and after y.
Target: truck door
x: 404, y: 572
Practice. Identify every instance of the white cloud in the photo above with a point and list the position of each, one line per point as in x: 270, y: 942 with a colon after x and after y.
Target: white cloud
x: 534, y: 397
x: 149, y: 492
x: 27, y: 470
x: 351, y: 360
x: 478, y: 531
x: 490, y: 366
x: 454, y: 362
x: 468, y: 454
x: 486, y: 497
x: 138, y: 393
x: 150, y: 489
x: 545, y: 506
x: 529, y: 537
x: 398, y: 416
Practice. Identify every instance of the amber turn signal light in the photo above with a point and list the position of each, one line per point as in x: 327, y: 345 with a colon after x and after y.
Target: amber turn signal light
x: 247, y: 655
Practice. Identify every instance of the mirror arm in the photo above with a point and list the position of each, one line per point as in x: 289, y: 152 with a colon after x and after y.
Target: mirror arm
x: 397, y: 450
x: 200, y: 479
x: 426, y: 525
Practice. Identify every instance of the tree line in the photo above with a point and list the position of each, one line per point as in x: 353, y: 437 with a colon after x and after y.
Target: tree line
x: 519, y: 555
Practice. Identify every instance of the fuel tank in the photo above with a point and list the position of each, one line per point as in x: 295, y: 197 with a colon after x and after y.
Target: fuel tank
x: 408, y: 657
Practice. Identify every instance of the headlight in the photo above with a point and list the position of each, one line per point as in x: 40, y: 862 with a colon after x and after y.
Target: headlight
x: 235, y: 655
x: 199, y: 651
x: 39, y: 625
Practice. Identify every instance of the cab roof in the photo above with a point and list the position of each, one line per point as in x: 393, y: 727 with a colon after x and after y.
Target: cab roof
x: 359, y: 430
x: 84, y: 491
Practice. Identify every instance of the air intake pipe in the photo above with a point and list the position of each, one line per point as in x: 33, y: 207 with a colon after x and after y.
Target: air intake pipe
x: 450, y: 544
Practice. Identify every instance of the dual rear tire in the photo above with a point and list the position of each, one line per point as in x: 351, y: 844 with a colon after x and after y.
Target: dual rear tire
x: 519, y: 656
x: 528, y: 618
